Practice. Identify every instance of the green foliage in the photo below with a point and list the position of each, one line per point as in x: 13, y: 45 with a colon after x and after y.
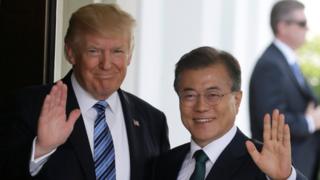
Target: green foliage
x: 309, y: 60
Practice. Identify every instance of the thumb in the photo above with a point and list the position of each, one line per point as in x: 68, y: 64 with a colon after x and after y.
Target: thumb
x: 73, y: 117
x: 254, y: 153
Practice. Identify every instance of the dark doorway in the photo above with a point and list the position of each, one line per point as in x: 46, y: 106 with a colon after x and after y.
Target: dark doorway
x: 27, y: 32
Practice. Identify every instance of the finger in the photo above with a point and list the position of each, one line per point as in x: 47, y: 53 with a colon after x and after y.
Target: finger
x: 45, y: 107
x: 73, y: 117
x: 280, y: 128
x: 310, y: 107
x: 59, y: 93
x: 254, y: 153
x: 286, y: 141
x: 266, y: 128
x: 274, y: 124
x: 53, y: 94
x: 64, y: 93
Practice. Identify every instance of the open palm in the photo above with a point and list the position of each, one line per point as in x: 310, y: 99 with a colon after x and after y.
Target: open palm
x: 53, y: 126
x: 275, y: 157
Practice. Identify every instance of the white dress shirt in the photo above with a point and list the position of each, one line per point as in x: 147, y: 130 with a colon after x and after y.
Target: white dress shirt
x: 291, y: 58
x: 115, y: 121
x: 213, y: 150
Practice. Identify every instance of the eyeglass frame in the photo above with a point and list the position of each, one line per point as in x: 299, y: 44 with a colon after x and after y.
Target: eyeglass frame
x: 215, y: 102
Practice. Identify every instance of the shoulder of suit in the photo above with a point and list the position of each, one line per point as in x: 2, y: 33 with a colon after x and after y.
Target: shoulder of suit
x: 184, y: 148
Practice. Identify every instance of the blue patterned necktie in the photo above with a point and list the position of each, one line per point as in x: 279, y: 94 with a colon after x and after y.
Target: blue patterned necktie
x: 200, y: 167
x: 104, y: 158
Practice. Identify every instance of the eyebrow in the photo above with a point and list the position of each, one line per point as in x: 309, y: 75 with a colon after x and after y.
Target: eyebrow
x: 187, y: 89
x: 214, y: 88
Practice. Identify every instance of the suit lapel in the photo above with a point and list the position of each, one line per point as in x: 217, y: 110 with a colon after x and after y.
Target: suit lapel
x: 305, y: 90
x: 176, y: 161
x: 78, y: 137
x: 134, y: 133
x: 231, y: 159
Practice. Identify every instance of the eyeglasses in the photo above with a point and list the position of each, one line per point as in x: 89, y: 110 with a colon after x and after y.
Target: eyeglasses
x: 302, y: 23
x: 190, y: 98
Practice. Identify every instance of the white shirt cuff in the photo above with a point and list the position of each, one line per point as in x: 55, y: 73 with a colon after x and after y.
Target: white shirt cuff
x: 35, y: 165
x: 293, y: 175
x: 310, y: 122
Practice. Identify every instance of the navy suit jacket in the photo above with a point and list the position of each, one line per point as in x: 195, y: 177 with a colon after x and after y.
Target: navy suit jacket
x: 234, y: 163
x: 73, y: 159
x: 273, y: 85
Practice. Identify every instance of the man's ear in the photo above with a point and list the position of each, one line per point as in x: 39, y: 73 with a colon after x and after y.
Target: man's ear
x: 130, y: 55
x: 238, y: 98
x: 281, y: 28
x: 70, y: 54
x: 129, y: 59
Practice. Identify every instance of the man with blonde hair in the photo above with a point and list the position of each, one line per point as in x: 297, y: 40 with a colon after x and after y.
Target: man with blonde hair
x: 84, y: 126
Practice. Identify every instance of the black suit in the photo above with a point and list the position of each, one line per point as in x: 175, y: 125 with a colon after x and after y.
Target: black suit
x: 234, y: 163
x: 73, y: 159
x: 273, y: 85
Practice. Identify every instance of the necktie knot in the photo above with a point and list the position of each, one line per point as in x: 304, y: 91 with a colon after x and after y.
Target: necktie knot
x: 200, y: 156
x: 100, y: 106
x: 200, y: 167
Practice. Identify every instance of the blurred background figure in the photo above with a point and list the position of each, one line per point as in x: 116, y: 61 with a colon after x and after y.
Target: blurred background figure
x: 277, y: 82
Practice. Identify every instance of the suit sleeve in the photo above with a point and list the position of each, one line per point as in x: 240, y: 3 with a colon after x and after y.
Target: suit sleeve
x: 300, y: 176
x: 21, y: 136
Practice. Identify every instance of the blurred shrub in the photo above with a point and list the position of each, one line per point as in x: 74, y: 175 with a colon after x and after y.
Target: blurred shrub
x: 309, y: 60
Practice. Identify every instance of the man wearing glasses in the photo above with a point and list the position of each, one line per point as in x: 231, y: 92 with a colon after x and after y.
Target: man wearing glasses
x: 208, y: 83
x: 277, y: 82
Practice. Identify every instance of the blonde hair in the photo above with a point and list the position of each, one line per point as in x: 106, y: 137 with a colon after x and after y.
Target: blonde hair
x: 103, y: 19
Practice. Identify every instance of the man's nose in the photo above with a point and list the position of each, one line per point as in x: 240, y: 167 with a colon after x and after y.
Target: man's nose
x: 201, y: 104
x: 106, y: 60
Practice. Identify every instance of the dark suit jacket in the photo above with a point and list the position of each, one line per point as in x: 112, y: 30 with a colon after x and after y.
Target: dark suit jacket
x: 273, y: 85
x: 234, y: 163
x: 73, y: 160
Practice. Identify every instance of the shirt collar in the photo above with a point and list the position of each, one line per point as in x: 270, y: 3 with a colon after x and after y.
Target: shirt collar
x: 86, y: 101
x: 215, y: 148
x: 288, y: 53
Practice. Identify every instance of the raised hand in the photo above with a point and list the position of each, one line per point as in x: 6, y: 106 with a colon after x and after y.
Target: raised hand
x: 53, y: 126
x: 275, y: 158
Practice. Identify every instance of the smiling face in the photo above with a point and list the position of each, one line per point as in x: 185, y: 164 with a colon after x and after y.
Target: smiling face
x: 208, y: 121
x: 100, y: 63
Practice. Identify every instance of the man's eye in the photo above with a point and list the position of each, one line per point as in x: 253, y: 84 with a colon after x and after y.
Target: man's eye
x: 118, y: 51
x: 189, y: 96
x: 94, y: 51
x: 213, y: 95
